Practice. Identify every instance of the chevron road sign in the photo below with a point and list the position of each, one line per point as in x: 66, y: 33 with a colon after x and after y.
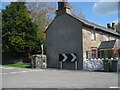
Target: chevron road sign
x: 67, y: 57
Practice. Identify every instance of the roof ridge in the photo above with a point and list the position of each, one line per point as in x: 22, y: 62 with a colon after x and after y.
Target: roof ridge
x: 87, y: 22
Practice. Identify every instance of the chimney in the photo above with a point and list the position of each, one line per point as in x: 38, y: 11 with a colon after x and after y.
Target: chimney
x: 63, y: 7
x: 108, y: 25
x: 113, y: 25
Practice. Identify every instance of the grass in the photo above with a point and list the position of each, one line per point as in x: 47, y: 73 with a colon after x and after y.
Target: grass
x: 21, y: 65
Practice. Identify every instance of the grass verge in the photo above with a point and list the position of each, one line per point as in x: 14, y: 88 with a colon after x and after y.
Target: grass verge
x: 21, y: 65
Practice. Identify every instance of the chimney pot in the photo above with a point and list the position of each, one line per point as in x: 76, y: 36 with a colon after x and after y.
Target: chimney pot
x: 108, y: 25
x: 113, y: 25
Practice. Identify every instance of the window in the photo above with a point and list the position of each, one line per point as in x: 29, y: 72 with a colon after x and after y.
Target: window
x: 93, y: 35
x: 107, y: 38
x: 92, y: 53
x: 101, y: 37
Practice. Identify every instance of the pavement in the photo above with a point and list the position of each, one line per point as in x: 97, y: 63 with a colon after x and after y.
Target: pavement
x: 13, y: 77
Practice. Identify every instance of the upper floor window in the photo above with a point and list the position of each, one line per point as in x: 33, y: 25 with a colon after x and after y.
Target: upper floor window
x: 107, y: 38
x: 93, y: 35
x: 101, y: 37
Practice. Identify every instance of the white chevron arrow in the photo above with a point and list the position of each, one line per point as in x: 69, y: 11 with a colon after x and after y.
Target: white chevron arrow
x: 65, y: 57
x: 74, y: 57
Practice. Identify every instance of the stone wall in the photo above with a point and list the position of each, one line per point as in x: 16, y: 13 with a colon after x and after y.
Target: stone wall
x: 93, y: 64
x: 88, y: 42
x: 38, y: 61
x: 98, y: 64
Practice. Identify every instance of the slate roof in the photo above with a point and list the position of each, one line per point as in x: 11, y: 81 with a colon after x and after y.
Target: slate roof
x: 96, y: 26
x: 107, y: 44
x: 92, y: 24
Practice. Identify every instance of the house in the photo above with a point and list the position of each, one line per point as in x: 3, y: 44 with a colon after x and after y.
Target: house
x: 68, y: 34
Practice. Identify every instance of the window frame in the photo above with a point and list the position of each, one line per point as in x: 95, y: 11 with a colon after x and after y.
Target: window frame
x: 93, y: 35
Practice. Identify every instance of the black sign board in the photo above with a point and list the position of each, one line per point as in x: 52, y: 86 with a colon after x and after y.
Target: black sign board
x: 67, y: 57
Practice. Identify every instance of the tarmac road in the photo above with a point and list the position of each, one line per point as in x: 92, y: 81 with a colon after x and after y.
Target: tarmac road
x: 13, y: 77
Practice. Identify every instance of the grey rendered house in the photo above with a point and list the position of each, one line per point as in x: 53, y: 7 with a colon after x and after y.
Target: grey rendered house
x: 69, y: 34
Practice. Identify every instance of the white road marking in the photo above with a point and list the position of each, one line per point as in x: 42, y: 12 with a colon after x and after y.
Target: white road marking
x: 114, y: 87
x: 1, y: 67
x: 21, y: 72
x: 4, y: 73
x: 25, y: 71
x: 30, y: 70
x: 36, y: 70
x: 7, y: 67
x: 105, y: 73
x: 13, y: 72
x: 41, y: 70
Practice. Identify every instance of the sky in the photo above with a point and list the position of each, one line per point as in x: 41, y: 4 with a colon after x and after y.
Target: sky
x: 99, y: 12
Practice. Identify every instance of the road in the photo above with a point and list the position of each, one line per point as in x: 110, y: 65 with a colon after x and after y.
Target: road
x: 13, y: 77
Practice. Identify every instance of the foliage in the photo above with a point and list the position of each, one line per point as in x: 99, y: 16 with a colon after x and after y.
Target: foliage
x: 19, y: 32
x: 76, y: 11
x: 43, y: 14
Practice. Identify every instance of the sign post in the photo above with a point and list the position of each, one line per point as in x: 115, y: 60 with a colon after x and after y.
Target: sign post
x: 75, y: 65
x: 67, y: 58
x: 42, y: 48
x: 42, y: 56
x: 61, y: 65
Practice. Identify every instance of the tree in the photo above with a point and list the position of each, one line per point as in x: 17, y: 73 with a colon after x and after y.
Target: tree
x: 76, y: 11
x: 19, y: 32
x: 42, y: 13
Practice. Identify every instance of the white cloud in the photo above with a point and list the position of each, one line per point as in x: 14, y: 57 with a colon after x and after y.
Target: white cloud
x: 105, y: 7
